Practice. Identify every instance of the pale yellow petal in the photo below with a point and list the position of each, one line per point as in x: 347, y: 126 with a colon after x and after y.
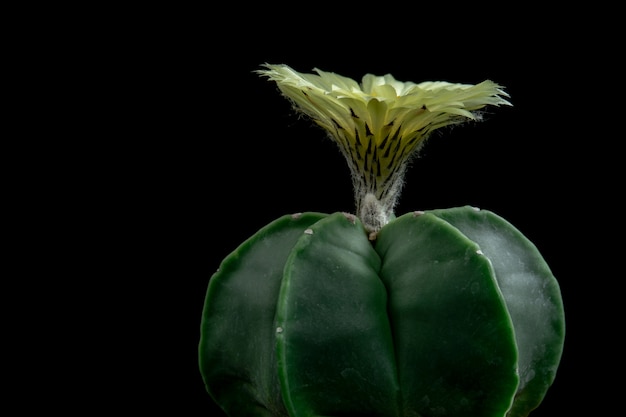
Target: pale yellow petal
x: 381, y: 122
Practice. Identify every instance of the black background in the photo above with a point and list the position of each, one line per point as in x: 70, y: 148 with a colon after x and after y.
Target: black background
x: 198, y: 152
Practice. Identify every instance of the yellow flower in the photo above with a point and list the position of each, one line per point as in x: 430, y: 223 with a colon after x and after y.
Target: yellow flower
x: 380, y: 123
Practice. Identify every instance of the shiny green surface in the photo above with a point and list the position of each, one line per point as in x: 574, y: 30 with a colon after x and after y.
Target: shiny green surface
x: 532, y: 296
x: 448, y: 313
x: 454, y: 340
x: 335, y: 350
x: 237, y: 345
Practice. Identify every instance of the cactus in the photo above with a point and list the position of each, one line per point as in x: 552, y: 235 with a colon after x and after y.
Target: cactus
x: 448, y: 312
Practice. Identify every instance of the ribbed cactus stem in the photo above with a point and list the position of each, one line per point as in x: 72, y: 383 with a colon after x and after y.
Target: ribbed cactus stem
x: 449, y: 312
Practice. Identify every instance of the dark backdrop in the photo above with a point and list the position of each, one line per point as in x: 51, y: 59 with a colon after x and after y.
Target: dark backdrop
x: 214, y: 153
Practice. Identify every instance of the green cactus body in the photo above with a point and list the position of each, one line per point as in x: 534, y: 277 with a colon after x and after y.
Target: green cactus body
x: 447, y: 313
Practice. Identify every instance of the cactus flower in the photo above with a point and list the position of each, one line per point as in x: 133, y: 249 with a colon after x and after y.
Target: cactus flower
x: 380, y: 123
